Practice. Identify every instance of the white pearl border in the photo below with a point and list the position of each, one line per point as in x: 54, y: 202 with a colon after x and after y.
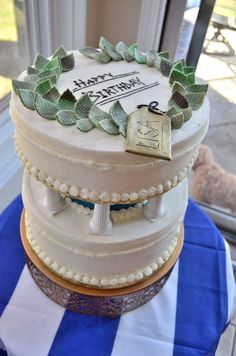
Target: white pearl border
x: 116, y: 215
x: 79, y: 208
x: 102, y: 197
x: 105, y: 282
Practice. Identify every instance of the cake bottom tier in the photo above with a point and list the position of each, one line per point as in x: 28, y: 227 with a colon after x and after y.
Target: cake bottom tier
x: 91, y: 301
x: 136, y: 249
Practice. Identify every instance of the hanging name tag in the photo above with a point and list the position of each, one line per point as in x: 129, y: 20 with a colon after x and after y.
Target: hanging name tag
x: 149, y: 134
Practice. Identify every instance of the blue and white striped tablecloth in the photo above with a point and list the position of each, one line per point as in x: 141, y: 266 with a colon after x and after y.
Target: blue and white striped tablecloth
x: 187, y: 317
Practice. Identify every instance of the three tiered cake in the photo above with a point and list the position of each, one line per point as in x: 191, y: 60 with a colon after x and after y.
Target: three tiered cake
x: 107, y: 137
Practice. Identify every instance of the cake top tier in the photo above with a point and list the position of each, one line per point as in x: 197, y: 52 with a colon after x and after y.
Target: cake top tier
x: 96, y: 91
x: 71, y: 113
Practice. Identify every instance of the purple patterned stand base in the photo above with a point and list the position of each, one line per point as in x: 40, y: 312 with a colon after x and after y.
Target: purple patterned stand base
x: 86, y: 300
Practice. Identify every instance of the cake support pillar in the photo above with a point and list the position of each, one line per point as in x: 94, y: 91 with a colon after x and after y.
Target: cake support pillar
x: 53, y: 201
x: 153, y: 208
x: 101, y: 223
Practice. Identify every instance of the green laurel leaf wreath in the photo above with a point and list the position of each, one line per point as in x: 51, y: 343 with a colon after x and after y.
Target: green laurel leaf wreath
x: 38, y: 89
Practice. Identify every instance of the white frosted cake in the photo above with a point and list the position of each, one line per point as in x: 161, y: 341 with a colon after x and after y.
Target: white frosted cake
x: 97, y: 214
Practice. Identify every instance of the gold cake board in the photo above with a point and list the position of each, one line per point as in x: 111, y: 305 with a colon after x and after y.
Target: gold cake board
x: 92, y: 301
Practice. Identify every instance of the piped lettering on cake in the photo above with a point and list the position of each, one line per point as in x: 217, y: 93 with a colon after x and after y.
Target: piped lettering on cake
x: 118, y: 89
x: 149, y: 134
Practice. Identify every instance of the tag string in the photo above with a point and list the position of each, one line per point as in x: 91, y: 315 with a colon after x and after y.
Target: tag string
x: 152, y: 107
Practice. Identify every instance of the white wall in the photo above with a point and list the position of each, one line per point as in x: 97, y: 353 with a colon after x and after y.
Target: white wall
x: 116, y: 20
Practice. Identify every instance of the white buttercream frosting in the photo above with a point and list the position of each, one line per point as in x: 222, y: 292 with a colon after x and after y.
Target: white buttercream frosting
x: 115, y: 281
x: 105, y: 197
x: 94, y: 166
x: 135, y: 250
x: 96, y: 163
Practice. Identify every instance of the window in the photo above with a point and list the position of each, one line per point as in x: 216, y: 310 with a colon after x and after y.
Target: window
x: 217, y: 67
x: 13, y: 49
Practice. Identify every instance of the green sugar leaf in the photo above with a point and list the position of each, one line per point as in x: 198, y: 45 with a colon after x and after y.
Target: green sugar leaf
x: 195, y: 100
x: 178, y: 87
x: 60, y: 52
x: 32, y: 70
x: 108, y: 126
x: 187, y: 113
x: 177, y: 121
x: 139, y: 56
x: 165, y: 66
x: 40, y: 62
x: 53, y: 79
x: 151, y: 58
x: 117, y: 113
x: 66, y: 117
x: 83, y: 106
x: 159, y: 56
x: 84, y: 125
x: 107, y: 47
x: 178, y: 99
x: 43, y: 87
x: 182, y: 74
x: 88, y: 52
x: 66, y: 101
x: 53, y: 63
x: 102, y: 57
x: 31, y: 78
x: 18, y: 84
x: 188, y: 70
x: 27, y: 98
x: 191, y: 78
x: 123, y: 129
x: 93, y: 53
x: 164, y: 54
x: 122, y: 49
x: 96, y: 115
x: 131, y: 49
x: 197, y: 88
x: 45, y: 108
x: 52, y: 95
x: 178, y: 65
x: 177, y: 76
x: 172, y: 111
x: 67, y: 62
x: 48, y: 72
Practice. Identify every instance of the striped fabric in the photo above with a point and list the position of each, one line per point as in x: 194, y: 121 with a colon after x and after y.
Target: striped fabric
x: 187, y: 317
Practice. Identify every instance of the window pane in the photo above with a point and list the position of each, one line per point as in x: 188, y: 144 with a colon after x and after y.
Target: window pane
x: 214, y: 180
x: 13, y: 51
x: 217, y: 66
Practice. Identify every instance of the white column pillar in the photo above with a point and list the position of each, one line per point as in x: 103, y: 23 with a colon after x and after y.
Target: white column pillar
x: 101, y: 223
x: 53, y: 201
x: 153, y: 208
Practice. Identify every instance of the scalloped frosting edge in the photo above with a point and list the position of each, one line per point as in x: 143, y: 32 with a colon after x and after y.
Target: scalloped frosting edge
x: 102, y: 282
